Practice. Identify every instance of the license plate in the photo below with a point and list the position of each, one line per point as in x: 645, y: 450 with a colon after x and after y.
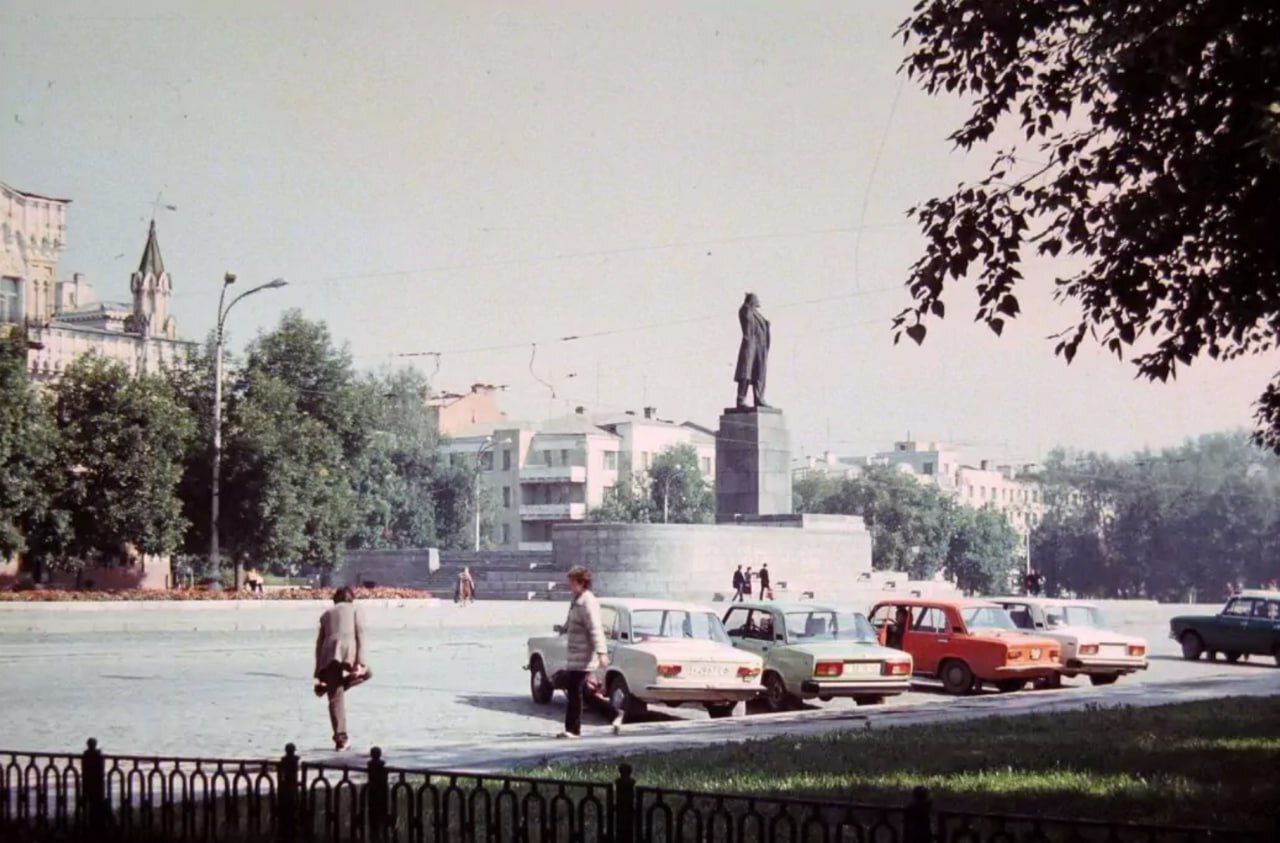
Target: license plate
x: 1113, y: 651
x: 862, y: 668
x: 704, y: 671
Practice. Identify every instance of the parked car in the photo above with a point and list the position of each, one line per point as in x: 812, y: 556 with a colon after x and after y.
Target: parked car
x: 1249, y: 624
x: 1080, y: 628
x: 811, y: 650
x: 965, y: 643
x: 659, y: 652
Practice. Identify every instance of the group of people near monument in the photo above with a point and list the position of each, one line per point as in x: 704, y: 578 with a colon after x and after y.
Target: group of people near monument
x: 742, y: 583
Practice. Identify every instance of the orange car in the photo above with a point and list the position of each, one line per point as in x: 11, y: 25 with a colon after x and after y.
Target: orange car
x: 965, y: 643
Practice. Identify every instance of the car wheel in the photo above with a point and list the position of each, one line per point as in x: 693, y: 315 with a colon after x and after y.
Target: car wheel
x: 1231, y: 656
x: 1103, y: 678
x: 1006, y: 686
x: 540, y: 687
x: 956, y: 677
x: 1050, y: 683
x: 868, y: 699
x: 620, y: 697
x: 825, y: 697
x: 718, y: 710
x: 1192, y: 646
x: 776, y: 696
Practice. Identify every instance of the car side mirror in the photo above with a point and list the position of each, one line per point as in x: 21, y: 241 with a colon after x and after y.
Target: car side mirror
x: 558, y: 629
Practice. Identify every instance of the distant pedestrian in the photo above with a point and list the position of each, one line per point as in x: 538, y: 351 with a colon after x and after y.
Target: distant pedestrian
x: 765, y: 588
x: 340, y: 664
x: 746, y: 582
x: 739, y: 582
x: 586, y: 647
x: 465, y: 592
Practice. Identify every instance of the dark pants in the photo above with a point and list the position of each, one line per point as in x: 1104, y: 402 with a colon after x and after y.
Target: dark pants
x: 334, y: 679
x: 757, y: 387
x: 574, y: 680
x: 738, y: 596
x: 764, y: 586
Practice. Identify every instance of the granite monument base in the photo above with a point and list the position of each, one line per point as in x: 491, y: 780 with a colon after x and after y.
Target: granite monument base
x: 753, y: 463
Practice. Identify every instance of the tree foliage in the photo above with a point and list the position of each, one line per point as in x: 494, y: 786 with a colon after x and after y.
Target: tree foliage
x: 1148, y: 154
x: 983, y: 551
x: 679, y: 491
x: 28, y: 450
x: 121, y: 442
x: 1170, y: 525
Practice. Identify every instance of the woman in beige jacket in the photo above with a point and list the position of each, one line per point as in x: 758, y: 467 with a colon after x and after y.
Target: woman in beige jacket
x: 586, y: 647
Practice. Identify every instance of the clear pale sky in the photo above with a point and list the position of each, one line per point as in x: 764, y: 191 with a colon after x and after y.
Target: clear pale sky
x: 457, y: 176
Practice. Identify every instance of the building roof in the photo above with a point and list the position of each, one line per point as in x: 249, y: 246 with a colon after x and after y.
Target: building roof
x: 151, y: 263
x: 28, y: 194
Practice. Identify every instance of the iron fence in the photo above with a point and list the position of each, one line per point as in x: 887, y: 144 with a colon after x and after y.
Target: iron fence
x: 97, y: 797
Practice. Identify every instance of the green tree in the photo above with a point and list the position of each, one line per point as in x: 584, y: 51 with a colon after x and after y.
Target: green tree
x: 983, y: 551
x: 287, y: 499
x: 910, y: 522
x: 121, y: 443
x: 29, y: 473
x: 628, y: 502
x: 679, y: 492
x: 1148, y: 154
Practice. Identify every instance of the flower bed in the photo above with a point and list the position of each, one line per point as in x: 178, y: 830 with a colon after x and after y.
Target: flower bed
x: 189, y: 594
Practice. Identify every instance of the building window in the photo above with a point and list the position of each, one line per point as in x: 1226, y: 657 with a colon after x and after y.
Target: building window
x: 486, y: 461
x: 927, y: 468
x: 564, y: 456
x: 506, y: 534
x: 610, y: 460
x: 506, y: 459
x: 10, y: 309
x: 706, y: 465
x: 506, y: 497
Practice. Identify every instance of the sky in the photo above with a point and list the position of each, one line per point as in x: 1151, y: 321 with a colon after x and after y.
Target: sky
x: 482, y: 180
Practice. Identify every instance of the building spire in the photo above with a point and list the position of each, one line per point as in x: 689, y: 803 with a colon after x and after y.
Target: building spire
x: 152, y: 263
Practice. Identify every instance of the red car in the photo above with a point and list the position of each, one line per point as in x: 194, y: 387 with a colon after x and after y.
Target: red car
x: 965, y: 643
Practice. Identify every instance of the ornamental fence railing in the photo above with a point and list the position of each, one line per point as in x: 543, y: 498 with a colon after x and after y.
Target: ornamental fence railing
x: 96, y: 797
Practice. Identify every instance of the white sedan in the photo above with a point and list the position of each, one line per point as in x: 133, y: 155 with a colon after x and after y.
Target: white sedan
x: 659, y: 652
x: 1088, y: 647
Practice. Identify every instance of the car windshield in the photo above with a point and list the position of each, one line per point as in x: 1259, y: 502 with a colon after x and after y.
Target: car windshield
x: 1087, y: 616
x: 823, y: 625
x: 987, y: 617
x: 676, y: 623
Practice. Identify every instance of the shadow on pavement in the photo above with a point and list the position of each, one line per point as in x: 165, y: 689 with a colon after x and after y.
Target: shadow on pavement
x: 553, y: 711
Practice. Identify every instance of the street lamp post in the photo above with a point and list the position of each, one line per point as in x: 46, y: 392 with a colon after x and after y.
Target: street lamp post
x: 486, y: 445
x: 215, y: 500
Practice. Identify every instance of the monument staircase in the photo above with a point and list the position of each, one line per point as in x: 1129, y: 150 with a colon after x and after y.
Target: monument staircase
x: 498, y: 574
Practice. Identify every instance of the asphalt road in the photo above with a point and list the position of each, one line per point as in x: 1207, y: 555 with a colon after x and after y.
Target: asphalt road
x: 448, y: 690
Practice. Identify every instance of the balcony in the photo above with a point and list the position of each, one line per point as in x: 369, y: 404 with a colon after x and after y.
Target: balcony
x: 553, y: 474
x: 552, y: 511
x: 538, y: 546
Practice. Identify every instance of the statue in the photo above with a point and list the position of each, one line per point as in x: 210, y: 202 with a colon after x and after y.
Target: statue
x: 753, y: 353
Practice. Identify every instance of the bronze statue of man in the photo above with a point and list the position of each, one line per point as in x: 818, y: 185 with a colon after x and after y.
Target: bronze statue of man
x: 753, y: 353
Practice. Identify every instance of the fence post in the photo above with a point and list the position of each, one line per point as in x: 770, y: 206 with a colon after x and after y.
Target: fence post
x: 917, y: 822
x: 93, y: 789
x: 624, y: 795
x: 287, y: 813
x: 376, y: 795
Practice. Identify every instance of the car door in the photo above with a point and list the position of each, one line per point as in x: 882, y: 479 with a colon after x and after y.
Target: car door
x: 1229, y: 631
x: 928, y: 638
x: 752, y: 630
x: 1022, y: 615
x: 1264, y: 627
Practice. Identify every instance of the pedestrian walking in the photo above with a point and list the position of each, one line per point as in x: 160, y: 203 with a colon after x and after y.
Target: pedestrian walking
x: 739, y: 582
x: 340, y: 664
x: 585, y: 647
x: 746, y: 582
x: 765, y: 588
x: 465, y: 591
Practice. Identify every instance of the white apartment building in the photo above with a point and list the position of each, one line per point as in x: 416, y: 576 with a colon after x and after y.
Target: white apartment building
x: 539, y: 474
x: 1005, y: 486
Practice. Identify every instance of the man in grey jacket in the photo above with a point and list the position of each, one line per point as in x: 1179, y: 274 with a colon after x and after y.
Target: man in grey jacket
x: 586, y: 646
x: 340, y: 663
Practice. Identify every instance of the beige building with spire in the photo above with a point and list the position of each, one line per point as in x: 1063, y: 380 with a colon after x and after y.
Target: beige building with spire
x: 65, y: 319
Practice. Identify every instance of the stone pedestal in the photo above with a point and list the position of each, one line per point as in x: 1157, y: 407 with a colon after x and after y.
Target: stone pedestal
x: 753, y: 464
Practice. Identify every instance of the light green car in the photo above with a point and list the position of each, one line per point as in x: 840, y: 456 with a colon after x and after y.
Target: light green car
x: 810, y: 650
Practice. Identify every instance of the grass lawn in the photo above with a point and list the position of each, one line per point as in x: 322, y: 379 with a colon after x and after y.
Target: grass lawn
x: 1204, y: 763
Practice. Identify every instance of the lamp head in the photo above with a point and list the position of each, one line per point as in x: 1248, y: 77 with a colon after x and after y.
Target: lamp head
x: 274, y: 283
x: 229, y: 278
